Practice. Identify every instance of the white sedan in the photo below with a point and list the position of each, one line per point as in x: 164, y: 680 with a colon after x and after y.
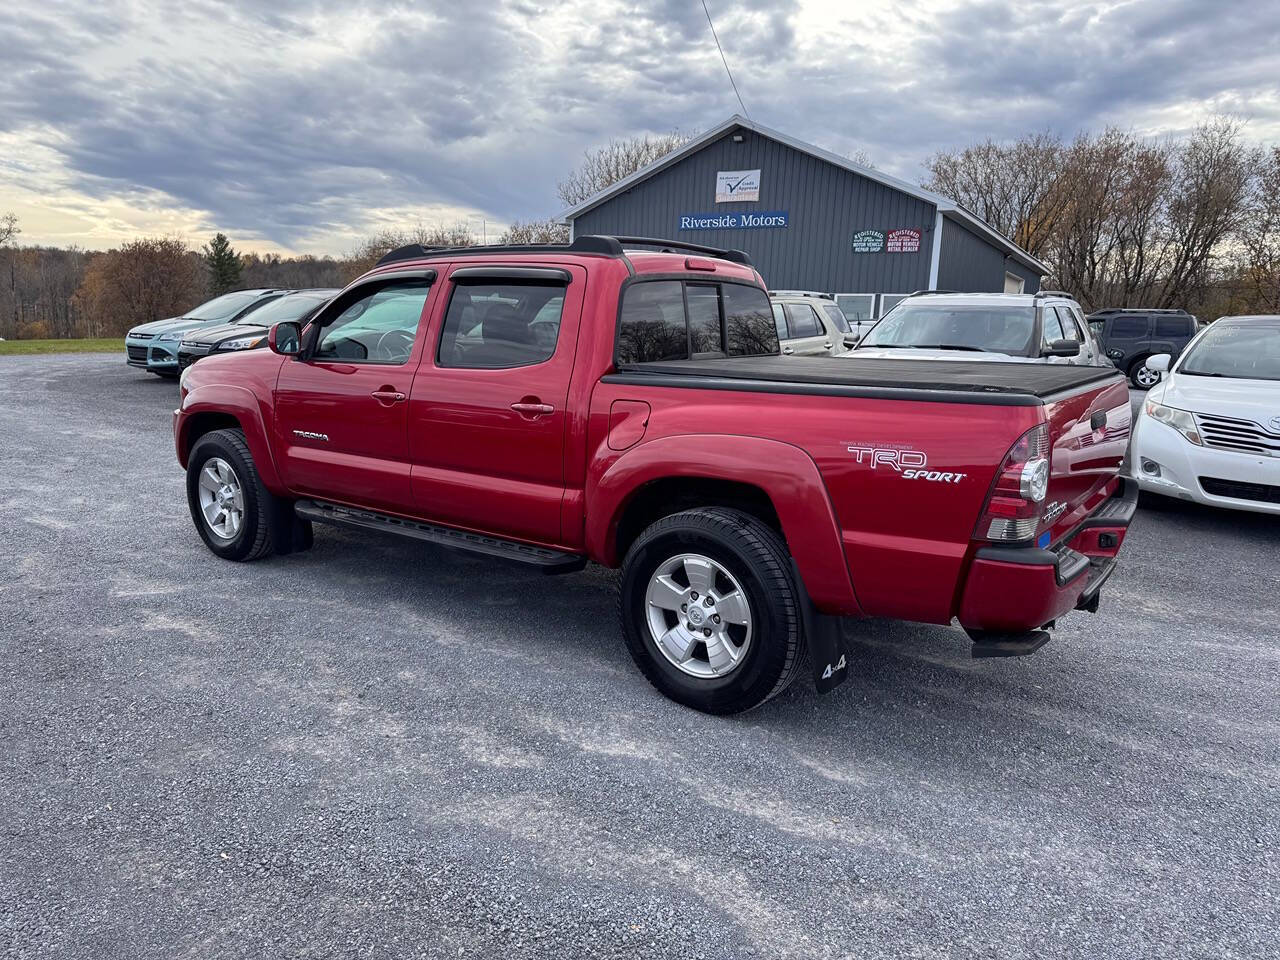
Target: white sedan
x: 1210, y: 432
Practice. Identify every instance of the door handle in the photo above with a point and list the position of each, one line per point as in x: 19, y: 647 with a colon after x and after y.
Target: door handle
x: 787, y: 350
x: 827, y: 344
x: 531, y: 409
x: 388, y: 396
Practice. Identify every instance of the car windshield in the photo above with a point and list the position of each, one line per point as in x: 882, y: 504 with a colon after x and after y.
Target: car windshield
x: 996, y: 329
x: 223, y: 307
x: 293, y: 307
x: 1240, y: 349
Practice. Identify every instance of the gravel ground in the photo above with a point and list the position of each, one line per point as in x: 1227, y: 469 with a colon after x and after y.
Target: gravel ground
x: 384, y: 749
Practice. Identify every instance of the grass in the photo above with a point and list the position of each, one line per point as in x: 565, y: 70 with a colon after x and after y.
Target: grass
x: 22, y: 347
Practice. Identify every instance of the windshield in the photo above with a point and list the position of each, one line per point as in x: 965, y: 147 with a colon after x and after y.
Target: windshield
x: 1240, y: 349
x: 836, y: 316
x: 286, y: 308
x: 996, y: 329
x: 223, y: 307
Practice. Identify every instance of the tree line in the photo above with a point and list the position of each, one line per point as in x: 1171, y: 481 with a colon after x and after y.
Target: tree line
x: 1128, y: 221
x: 1121, y: 219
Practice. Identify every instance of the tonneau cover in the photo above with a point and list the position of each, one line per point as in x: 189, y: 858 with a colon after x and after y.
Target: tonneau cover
x: 993, y: 380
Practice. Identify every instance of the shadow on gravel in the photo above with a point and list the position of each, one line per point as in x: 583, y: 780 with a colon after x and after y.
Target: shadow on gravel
x: 1257, y: 527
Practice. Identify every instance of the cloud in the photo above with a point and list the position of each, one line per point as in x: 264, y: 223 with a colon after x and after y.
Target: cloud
x: 303, y: 124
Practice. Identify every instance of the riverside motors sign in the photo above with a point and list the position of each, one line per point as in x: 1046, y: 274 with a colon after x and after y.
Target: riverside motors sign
x: 734, y: 221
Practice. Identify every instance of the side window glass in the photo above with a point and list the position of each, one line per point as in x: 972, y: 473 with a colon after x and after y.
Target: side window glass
x: 780, y: 321
x: 748, y: 330
x: 379, y: 327
x: 704, y: 319
x: 652, y: 325
x: 1129, y: 327
x: 1099, y: 327
x: 836, y: 316
x: 1068, y: 323
x: 802, y: 321
x: 1172, y: 327
x: 1052, y: 327
x: 501, y: 323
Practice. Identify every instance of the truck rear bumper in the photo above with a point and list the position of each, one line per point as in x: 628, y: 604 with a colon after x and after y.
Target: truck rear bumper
x: 1013, y: 589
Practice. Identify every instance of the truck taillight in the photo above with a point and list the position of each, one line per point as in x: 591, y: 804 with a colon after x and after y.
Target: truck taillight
x: 1016, y: 502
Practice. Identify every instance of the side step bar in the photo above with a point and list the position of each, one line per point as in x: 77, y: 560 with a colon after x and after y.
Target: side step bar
x: 545, y: 559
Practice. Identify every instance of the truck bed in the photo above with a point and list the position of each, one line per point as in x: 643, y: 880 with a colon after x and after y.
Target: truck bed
x: 947, y: 381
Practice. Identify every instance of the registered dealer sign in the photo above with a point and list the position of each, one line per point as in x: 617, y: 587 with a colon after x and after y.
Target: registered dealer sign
x: 905, y: 240
x: 868, y: 241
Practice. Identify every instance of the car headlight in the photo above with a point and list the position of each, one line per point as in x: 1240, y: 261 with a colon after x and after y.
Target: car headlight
x: 1180, y: 420
x: 168, y: 337
x: 243, y: 343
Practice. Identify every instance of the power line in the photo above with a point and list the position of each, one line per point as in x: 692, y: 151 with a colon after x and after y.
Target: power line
x: 724, y: 60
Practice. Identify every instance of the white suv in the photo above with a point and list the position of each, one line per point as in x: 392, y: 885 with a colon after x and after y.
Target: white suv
x: 1046, y: 327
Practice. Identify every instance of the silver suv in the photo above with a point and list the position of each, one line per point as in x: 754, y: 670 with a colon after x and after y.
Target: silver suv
x: 810, y: 324
x: 1045, y: 327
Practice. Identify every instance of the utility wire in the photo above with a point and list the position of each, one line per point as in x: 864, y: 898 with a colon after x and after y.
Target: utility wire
x: 724, y: 60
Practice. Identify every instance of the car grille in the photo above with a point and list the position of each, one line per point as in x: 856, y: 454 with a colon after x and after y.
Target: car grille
x: 1258, y: 492
x: 1243, y: 436
x: 137, y: 353
x: 141, y: 336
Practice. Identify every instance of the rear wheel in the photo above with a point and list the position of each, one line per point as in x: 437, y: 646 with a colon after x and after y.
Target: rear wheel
x: 709, y: 610
x: 1142, y: 376
x: 233, y: 512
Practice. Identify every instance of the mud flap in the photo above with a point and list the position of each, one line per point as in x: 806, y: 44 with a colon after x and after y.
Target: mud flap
x: 827, y: 653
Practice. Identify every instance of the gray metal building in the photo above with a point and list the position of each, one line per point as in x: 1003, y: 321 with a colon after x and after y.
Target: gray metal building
x: 811, y: 220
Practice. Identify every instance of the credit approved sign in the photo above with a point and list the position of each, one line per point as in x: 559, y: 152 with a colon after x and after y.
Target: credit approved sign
x: 733, y: 186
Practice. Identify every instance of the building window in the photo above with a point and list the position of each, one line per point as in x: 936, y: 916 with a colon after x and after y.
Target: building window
x: 857, y: 306
x: 890, y: 300
x: 1014, y: 283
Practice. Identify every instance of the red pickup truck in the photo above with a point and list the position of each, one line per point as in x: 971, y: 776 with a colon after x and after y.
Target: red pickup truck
x: 623, y: 401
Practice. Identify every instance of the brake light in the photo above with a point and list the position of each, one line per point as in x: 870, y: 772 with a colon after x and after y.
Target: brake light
x: 1015, y: 504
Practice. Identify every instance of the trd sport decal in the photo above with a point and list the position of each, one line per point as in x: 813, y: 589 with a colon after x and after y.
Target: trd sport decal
x: 911, y: 464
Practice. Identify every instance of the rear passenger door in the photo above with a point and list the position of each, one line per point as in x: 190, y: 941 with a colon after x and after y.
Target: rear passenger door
x: 487, y: 409
x: 805, y: 333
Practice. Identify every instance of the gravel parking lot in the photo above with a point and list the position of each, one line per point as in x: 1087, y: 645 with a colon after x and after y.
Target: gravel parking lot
x: 384, y: 749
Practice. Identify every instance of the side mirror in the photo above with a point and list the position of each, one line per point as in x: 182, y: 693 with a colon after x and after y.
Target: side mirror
x: 285, y: 338
x: 1062, y: 348
x: 1159, y: 361
x: 851, y: 340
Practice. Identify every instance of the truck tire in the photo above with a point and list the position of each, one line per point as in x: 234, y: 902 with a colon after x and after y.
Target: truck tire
x: 709, y: 610
x: 233, y: 512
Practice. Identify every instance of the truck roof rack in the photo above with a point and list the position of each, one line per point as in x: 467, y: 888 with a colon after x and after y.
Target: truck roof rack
x: 1054, y: 293
x: 599, y: 245
x: 1178, y: 311
x: 922, y: 293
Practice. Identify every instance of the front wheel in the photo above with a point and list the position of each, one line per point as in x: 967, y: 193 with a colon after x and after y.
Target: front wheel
x: 1142, y: 376
x: 233, y: 512
x: 709, y: 610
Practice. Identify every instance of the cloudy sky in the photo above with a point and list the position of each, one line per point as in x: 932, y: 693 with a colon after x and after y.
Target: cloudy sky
x: 302, y: 125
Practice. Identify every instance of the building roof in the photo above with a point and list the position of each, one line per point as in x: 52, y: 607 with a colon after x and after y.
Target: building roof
x: 947, y: 207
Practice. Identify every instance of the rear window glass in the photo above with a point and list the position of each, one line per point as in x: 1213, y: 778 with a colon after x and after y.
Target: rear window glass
x: 1129, y: 327
x: 1173, y: 326
x: 748, y: 322
x: 501, y: 324
x: 802, y: 321
x: 836, y: 316
x: 729, y: 318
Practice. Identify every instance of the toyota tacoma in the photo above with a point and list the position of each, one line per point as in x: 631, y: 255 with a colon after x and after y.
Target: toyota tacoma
x: 623, y: 401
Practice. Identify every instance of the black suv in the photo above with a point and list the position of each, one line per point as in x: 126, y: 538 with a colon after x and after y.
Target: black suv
x: 1128, y: 336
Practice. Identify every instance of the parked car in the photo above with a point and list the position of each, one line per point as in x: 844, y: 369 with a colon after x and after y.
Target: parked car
x: 1044, y: 327
x: 1211, y: 431
x: 250, y: 330
x: 154, y: 346
x: 810, y: 324
x: 664, y: 433
x: 1130, y: 336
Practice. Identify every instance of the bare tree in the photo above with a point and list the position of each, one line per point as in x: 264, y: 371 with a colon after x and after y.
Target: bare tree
x: 8, y: 228
x: 1259, y: 255
x: 1013, y: 187
x: 370, y: 250
x: 604, y: 166
x: 147, y: 279
x: 536, y: 231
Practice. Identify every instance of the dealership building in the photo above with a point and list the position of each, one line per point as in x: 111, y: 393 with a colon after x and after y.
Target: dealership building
x: 810, y: 219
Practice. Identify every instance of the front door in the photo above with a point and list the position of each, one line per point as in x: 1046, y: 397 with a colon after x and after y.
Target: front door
x: 487, y: 414
x: 342, y: 407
